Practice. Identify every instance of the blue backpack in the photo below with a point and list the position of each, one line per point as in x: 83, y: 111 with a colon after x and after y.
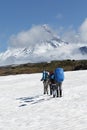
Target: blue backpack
x: 59, y: 74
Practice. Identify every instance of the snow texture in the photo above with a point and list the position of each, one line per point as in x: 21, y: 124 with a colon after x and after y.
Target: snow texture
x: 24, y: 107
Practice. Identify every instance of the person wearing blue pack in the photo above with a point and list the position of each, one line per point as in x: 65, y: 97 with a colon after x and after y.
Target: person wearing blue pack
x: 51, y: 81
x: 59, y: 78
x: 45, y: 79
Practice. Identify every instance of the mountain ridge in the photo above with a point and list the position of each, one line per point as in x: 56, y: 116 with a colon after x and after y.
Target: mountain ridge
x: 51, y: 47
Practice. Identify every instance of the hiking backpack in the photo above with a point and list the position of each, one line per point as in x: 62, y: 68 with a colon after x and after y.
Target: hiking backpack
x: 59, y: 74
x: 45, y: 75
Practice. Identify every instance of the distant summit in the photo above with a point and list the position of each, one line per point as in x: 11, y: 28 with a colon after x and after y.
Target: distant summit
x: 46, y: 48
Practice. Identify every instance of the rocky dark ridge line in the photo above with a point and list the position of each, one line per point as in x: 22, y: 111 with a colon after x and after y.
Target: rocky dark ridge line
x: 28, y: 68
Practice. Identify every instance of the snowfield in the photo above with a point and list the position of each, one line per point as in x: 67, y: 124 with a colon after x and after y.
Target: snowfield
x: 24, y: 107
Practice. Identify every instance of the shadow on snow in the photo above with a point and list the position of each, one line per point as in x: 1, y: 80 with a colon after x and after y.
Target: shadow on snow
x: 24, y: 101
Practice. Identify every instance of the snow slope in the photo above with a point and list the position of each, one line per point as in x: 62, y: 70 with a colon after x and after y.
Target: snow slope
x: 24, y: 107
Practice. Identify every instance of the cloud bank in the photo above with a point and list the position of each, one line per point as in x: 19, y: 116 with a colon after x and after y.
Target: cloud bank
x: 37, y: 34
x: 77, y: 36
x: 33, y: 45
x: 83, y: 31
x: 30, y: 37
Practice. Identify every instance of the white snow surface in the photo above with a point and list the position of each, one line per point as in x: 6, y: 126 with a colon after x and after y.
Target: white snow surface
x: 24, y: 107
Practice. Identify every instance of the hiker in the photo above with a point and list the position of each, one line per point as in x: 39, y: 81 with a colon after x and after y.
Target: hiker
x: 59, y: 77
x: 45, y: 79
x: 51, y: 81
x: 53, y: 86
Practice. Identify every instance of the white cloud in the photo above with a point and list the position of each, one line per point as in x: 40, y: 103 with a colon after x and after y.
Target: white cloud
x: 38, y: 33
x: 29, y: 38
x: 83, y: 31
x: 76, y: 36
x: 70, y: 36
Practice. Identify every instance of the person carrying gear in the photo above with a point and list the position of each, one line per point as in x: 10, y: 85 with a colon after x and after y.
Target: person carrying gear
x: 45, y: 79
x: 51, y: 81
x: 53, y: 86
x: 59, y: 78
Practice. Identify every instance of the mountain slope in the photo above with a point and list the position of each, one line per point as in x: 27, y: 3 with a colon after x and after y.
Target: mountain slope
x: 46, y: 47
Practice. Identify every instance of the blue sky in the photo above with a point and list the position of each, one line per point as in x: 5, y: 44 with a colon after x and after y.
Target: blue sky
x: 20, y: 15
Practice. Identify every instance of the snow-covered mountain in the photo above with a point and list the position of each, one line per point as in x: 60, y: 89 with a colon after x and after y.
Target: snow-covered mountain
x: 45, y: 48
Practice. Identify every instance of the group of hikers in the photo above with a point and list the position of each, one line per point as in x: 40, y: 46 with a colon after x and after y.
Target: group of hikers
x: 53, y: 81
